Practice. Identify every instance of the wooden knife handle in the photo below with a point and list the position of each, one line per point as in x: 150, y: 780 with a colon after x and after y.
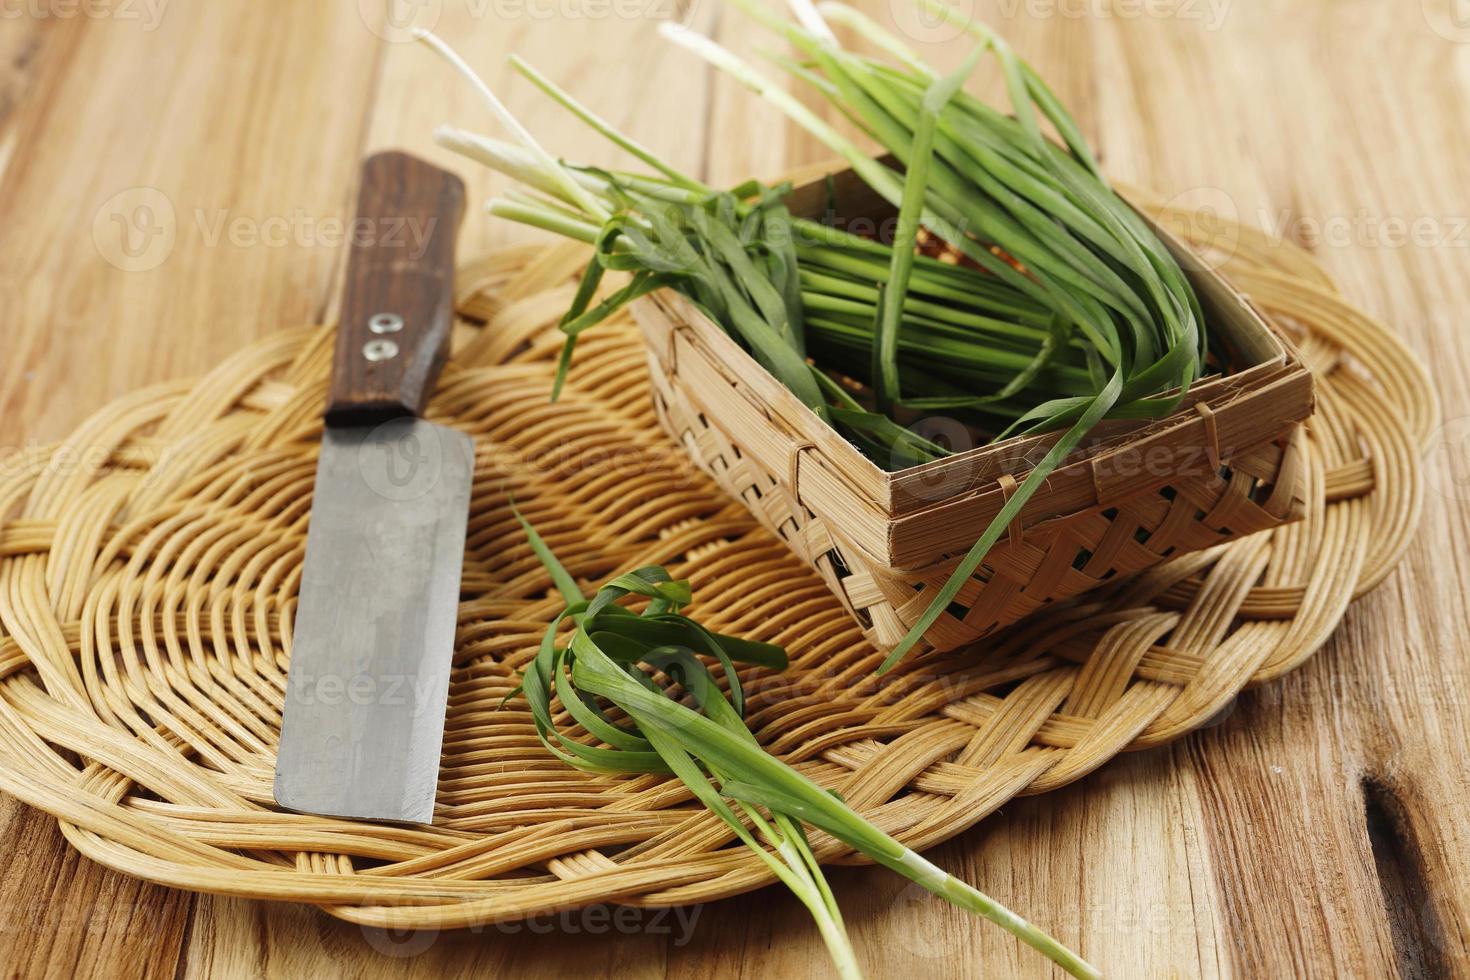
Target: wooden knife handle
x: 398, y: 302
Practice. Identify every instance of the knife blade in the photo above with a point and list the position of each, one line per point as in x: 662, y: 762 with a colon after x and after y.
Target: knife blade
x: 368, y: 681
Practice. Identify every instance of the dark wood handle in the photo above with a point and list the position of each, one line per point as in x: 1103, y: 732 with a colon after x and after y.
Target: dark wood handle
x: 398, y: 302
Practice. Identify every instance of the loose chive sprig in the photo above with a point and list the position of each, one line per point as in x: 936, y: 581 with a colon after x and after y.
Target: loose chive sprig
x: 647, y: 665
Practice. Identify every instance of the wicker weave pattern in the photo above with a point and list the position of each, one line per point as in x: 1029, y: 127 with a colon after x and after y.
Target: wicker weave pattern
x: 148, y: 571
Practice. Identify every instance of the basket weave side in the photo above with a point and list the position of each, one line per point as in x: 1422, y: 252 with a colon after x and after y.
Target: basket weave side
x: 1261, y: 487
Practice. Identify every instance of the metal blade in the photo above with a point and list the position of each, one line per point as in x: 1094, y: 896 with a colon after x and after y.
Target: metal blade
x: 370, y: 657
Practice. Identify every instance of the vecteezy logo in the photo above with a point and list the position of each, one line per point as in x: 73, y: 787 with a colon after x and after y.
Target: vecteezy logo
x: 918, y: 23
x: 921, y: 915
x: 400, y: 942
x: 1207, y: 218
x: 135, y: 229
x: 950, y: 434
x: 396, y: 20
x: 1448, y: 459
x: 402, y: 459
x: 1450, y: 19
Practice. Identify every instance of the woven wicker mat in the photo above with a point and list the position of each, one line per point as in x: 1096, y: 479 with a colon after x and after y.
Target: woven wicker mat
x: 148, y: 572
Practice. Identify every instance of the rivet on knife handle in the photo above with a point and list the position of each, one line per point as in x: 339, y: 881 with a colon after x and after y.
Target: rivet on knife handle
x: 397, y: 307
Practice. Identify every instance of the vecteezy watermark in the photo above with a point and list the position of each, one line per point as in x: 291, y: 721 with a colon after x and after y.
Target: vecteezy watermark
x: 361, y: 690
x: 301, y: 229
x: 397, y: 472
x: 1138, y: 467
x: 1450, y: 19
x: 1365, y: 229
x: 135, y: 229
x: 1208, y: 218
x: 397, y: 20
x: 39, y: 460
x: 923, y: 923
x: 403, y: 459
x: 138, y: 228
x: 1448, y: 459
x: 145, y: 13
x: 594, y: 10
x: 921, y: 24
x: 927, y: 924
x: 677, y: 923
x: 1209, y: 14
x: 1328, y: 694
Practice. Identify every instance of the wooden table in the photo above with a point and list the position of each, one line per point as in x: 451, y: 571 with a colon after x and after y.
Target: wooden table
x: 169, y: 175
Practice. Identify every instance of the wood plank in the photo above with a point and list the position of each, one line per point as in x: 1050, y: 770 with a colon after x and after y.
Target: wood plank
x: 1290, y: 785
x: 68, y: 917
x: 165, y: 194
x: 230, y: 112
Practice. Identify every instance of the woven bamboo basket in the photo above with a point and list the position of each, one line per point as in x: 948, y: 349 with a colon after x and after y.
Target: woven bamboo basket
x: 1226, y: 464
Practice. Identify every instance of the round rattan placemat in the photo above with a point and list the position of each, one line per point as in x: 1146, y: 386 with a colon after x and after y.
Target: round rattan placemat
x: 148, y: 571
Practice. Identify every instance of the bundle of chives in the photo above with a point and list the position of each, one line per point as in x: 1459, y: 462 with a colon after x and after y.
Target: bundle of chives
x: 619, y: 656
x: 995, y: 184
x: 1072, y: 312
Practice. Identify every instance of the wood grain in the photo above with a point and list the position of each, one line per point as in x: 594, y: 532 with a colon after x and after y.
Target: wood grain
x: 1321, y: 827
x: 398, y: 293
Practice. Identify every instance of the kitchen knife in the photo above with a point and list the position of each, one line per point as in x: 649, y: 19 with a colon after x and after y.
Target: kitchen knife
x: 370, y: 656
